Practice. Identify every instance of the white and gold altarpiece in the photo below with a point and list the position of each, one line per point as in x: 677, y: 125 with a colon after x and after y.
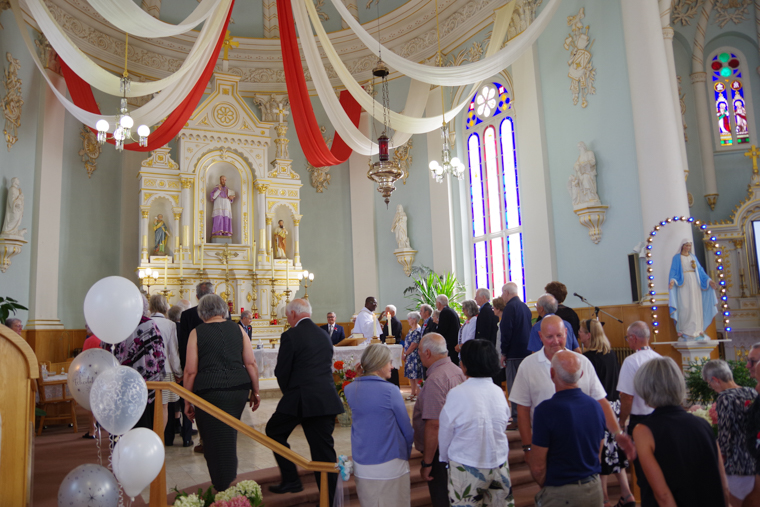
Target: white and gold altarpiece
x: 224, y: 138
x: 735, y: 245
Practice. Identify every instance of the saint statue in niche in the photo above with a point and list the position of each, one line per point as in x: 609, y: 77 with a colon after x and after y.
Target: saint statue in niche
x: 280, y: 233
x: 14, y: 212
x: 160, y: 235
x: 399, y: 227
x: 582, y: 183
x: 222, y: 196
x: 692, y: 297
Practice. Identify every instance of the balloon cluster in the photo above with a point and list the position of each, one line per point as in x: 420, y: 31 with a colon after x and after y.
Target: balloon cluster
x: 117, y: 396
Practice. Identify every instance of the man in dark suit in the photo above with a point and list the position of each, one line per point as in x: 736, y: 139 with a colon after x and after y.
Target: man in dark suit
x: 309, y: 398
x: 245, y: 322
x: 448, y: 326
x: 515, y: 332
x: 334, y: 331
x: 396, y: 327
x: 488, y: 323
x: 426, y: 321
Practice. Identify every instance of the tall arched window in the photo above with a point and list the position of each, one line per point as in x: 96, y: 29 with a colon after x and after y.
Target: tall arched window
x: 731, y: 99
x: 494, y: 190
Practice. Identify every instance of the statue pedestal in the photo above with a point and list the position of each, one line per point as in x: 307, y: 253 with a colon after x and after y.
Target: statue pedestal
x: 694, y: 350
x: 9, y: 248
x: 592, y: 215
x: 159, y: 259
x: 405, y: 257
x: 222, y: 239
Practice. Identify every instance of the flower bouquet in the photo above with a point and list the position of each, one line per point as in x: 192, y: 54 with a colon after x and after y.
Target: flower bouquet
x: 342, y: 376
x: 242, y: 494
x: 709, y: 414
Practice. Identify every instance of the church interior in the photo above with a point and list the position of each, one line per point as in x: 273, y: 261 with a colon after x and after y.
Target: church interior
x: 338, y: 150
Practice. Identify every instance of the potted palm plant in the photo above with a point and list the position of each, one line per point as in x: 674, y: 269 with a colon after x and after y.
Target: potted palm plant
x: 428, y: 285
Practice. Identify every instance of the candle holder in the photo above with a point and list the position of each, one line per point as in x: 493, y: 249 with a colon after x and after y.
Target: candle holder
x: 307, y: 278
x: 148, y: 277
x: 273, y: 313
x: 166, y: 292
x: 254, y: 296
x: 182, y: 289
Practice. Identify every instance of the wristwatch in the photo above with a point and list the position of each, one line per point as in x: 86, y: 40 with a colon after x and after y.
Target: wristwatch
x: 526, y: 448
x: 425, y: 465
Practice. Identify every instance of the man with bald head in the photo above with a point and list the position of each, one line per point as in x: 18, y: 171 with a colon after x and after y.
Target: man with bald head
x: 533, y: 385
x: 571, y: 425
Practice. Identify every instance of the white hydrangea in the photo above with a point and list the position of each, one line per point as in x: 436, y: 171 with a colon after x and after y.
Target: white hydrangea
x: 189, y: 501
x: 227, y: 494
x: 249, y: 489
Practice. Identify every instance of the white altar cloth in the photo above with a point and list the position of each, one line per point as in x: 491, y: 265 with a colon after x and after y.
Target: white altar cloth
x: 266, y: 359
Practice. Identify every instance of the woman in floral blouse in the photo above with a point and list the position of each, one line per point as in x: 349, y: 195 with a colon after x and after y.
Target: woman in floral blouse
x: 731, y: 407
x: 411, y: 356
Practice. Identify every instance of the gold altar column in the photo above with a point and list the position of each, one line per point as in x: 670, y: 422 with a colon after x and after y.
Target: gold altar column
x: 186, y: 200
x: 261, y: 210
x: 144, y: 212
x: 177, y: 232
x: 269, y: 237
x: 296, y: 241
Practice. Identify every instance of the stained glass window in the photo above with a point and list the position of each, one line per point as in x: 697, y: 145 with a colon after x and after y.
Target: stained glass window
x: 729, y: 85
x: 497, y: 243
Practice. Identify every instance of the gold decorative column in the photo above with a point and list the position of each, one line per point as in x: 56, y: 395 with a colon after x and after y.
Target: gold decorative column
x: 261, y: 197
x: 144, y: 213
x: 177, y: 232
x: 269, y: 235
x: 296, y: 241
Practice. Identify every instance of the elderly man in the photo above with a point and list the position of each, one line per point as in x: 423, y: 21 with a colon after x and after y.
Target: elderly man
x: 442, y: 376
x: 15, y: 324
x: 309, y: 398
x: 334, y: 331
x: 448, y: 326
x: 426, y: 319
x: 753, y: 358
x: 533, y: 385
x: 568, y: 434
x: 395, y: 331
x: 546, y: 306
x: 515, y: 331
x: 366, y: 322
x: 631, y: 403
x: 245, y: 322
x: 487, y: 324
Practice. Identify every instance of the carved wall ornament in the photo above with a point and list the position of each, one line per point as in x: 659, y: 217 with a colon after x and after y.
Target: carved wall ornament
x: 403, y: 157
x: 583, y: 190
x: 274, y: 108
x: 731, y: 10
x: 581, y: 71
x: 682, y: 102
x: 522, y: 17
x: 90, y: 150
x: 684, y: 10
x: 47, y: 54
x: 12, y: 101
x: 11, y: 237
x: 320, y: 176
x: 320, y: 4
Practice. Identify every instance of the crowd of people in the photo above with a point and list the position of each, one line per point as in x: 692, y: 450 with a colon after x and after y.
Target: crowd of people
x: 581, y: 416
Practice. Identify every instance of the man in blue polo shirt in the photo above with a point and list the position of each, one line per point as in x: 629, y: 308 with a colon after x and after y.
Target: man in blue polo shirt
x: 568, y: 434
x: 546, y: 306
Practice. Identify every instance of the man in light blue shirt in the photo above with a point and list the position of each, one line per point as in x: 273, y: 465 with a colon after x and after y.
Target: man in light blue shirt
x: 546, y: 306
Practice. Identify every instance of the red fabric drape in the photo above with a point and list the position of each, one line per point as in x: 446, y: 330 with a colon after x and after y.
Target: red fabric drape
x: 81, y: 95
x: 307, y: 128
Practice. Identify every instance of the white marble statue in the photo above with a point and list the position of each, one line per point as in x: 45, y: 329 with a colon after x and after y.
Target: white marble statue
x: 582, y: 183
x: 399, y: 227
x: 14, y: 212
x: 692, y: 299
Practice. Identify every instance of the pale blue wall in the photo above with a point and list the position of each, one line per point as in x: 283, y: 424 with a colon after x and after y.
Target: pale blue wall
x: 19, y: 162
x: 598, y: 272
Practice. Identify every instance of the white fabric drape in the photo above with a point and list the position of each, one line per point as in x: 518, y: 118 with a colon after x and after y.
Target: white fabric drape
x: 129, y: 17
x: 101, y: 79
x: 405, y: 123
x: 150, y: 114
x: 463, y: 74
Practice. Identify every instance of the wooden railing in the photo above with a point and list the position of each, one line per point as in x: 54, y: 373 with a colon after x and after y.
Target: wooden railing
x: 158, y: 486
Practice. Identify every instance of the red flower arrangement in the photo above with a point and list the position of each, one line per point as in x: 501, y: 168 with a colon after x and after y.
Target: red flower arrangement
x: 343, y: 375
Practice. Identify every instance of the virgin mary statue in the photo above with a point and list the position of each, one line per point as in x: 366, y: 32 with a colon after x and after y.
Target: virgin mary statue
x: 692, y: 300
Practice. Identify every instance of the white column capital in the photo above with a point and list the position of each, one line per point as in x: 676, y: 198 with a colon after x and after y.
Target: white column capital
x: 698, y: 77
x: 667, y: 33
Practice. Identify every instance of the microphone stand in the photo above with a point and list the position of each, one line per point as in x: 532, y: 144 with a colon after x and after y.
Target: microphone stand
x: 596, y: 308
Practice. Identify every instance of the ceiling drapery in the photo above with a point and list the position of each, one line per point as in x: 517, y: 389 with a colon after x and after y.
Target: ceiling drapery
x: 131, y: 18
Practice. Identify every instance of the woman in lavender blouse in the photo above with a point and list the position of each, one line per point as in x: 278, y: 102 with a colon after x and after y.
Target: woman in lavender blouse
x: 381, y: 434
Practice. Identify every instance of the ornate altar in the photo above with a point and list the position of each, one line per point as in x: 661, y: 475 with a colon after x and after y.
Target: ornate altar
x: 224, y: 147
x: 734, y: 242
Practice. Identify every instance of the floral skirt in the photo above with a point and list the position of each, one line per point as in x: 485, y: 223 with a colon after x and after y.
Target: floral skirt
x: 413, y: 366
x: 613, y: 457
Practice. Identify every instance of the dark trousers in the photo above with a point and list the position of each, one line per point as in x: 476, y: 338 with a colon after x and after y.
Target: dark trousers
x: 641, y: 479
x: 439, y: 486
x: 394, y: 377
x: 318, y: 431
x: 181, y: 423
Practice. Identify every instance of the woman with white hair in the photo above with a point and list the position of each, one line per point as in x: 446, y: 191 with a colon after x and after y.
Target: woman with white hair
x: 168, y: 329
x: 677, y: 451
x: 467, y: 331
x: 381, y: 434
x: 411, y: 356
x: 731, y: 406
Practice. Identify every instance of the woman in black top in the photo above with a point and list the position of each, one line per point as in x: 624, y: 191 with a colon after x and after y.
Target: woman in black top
x: 221, y: 369
x: 677, y: 450
x: 596, y: 347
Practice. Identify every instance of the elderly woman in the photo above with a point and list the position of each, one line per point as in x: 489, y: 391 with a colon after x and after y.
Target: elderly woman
x: 381, y: 434
x: 677, y: 451
x: 168, y: 329
x: 597, y: 349
x: 732, y: 421
x: 467, y: 331
x: 472, y: 431
x: 221, y: 369
x: 435, y: 316
x: 411, y: 356
x: 144, y: 351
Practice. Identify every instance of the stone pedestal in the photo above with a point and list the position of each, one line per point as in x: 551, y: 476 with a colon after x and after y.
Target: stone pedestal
x: 9, y: 247
x: 693, y: 350
x: 592, y: 215
x: 221, y: 239
x: 405, y: 257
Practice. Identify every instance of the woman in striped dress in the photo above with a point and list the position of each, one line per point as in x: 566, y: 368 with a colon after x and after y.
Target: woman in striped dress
x: 221, y: 369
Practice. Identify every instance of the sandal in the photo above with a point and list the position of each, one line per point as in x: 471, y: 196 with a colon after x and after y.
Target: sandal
x: 623, y: 503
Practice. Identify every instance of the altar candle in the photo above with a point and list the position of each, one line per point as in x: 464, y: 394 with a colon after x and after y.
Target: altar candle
x: 287, y: 274
x: 186, y: 237
x: 181, y: 255
x: 201, y: 256
x: 271, y: 258
x: 253, y: 256
x: 166, y: 269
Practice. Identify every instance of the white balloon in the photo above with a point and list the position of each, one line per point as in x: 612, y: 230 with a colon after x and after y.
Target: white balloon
x: 83, y: 371
x: 88, y: 486
x: 113, y: 308
x: 137, y: 459
x: 118, y: 398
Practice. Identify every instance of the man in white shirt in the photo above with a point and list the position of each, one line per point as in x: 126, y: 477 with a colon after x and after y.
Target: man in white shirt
x: 366, y: 322
x: 631, y: 403
x: 533, y: 384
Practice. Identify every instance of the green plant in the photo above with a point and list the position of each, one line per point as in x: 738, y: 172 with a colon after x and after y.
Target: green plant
x: 428, y: 285
x: 697, y: 389
x: 8, y: 306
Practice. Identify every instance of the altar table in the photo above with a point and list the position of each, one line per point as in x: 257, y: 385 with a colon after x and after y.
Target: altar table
x: 266, y: 359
